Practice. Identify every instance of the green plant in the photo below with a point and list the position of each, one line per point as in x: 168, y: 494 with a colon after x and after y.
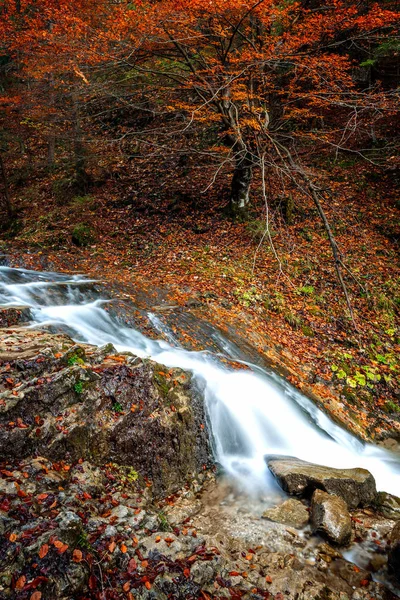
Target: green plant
x: 307, y: 330
x: 75, y: 360
x: 83, y: 542
x: 293, y: 320
x: 132, y: 475
x: 82, y: 200
x: 307, y: 290
x: 78, y: 387
x: 117, y: 407
x: 392, y: 406
x: 275, y: 302
x: 248, y: 297
x: 83, y: 235
x: 163, y: 521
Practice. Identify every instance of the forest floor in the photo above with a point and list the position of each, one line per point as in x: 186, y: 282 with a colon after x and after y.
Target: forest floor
x: 277, y: 290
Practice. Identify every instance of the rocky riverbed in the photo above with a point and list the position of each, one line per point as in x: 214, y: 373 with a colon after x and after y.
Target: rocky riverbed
x: 108, y: 490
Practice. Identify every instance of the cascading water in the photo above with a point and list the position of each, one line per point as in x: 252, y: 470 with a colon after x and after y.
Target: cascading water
x: 251, y: 412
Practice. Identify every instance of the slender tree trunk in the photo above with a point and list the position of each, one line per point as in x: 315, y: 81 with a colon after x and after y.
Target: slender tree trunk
x: 51, y: 141
x: 81, y: 177
x: 240, y: 186
x: 6, y: 193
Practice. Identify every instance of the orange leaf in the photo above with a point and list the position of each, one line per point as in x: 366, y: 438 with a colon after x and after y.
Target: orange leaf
x: 148, y: 585
x: 123, y: 548
x: 111, y: 547
x: 20, y: 583
x: 43, y: 550
x: 36, y: 595
x: 77, y: 555
x: 12, y: 537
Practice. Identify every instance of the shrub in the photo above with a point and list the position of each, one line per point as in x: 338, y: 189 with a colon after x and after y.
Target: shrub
x: 82, y: 235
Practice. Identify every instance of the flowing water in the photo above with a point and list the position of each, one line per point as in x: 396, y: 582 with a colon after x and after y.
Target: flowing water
x: 251, y: 412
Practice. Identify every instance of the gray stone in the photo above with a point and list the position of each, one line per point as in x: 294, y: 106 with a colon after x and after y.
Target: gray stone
x: 291, y: 512
x: 300, y: 478
x: 388, y: 506
x: 70, y: 526
x: 330, y: 517
x: 110, y: 531
x: 7, y: 487
x: 202, y: 572
x: 120, y: 513
x: 87, y: 478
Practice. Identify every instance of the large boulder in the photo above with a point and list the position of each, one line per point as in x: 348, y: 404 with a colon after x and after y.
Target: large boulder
x: 330, y: 517
x: 300, y: 478
x: 68, y: 402
x: 394, y: 554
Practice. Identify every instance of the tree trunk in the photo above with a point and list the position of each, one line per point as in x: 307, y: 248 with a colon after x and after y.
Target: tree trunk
x: 81, y: 177
x: 6, y: 193
x: 240, y: 187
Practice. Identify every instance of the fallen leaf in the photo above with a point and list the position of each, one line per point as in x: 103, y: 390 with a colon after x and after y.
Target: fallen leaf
x: 20, y: 583
x: 43, y: 550
x: 77, y: 555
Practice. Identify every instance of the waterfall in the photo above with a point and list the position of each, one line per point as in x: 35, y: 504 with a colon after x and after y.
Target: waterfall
x: 251, y: 412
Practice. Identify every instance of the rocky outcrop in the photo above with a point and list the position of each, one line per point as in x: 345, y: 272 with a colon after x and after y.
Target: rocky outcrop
x: 330, y: 517
x: 291, y: 512
x: 92, y: 445
x: 300, y: 478
x: 68, y: 402
x: 14, y: 315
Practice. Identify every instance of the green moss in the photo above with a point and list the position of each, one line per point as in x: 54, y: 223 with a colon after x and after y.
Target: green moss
x: 392, y: 407
x: 307, y: 330
x: 161, y: 383
x: 78, y: 387
x: 293, y: 320
x: 75, y: 359
x: 83, y: 235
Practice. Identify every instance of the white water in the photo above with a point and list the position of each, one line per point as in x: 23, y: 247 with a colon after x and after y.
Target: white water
x: 251, y: 412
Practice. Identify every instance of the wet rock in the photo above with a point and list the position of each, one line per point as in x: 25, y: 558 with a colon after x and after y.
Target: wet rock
x: 394, y: 554
x: 388, y: 505
x: 354, y: 577
x: 300, y: 478
x: 138, y: 414
x: 185, y: 509
x: 70, y: 526
x: 292, y: 512
x: 330, y: 517
x: 87, y: 477
x: 14, y: 315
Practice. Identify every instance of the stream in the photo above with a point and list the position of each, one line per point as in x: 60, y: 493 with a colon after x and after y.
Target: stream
x: 252, y: 412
